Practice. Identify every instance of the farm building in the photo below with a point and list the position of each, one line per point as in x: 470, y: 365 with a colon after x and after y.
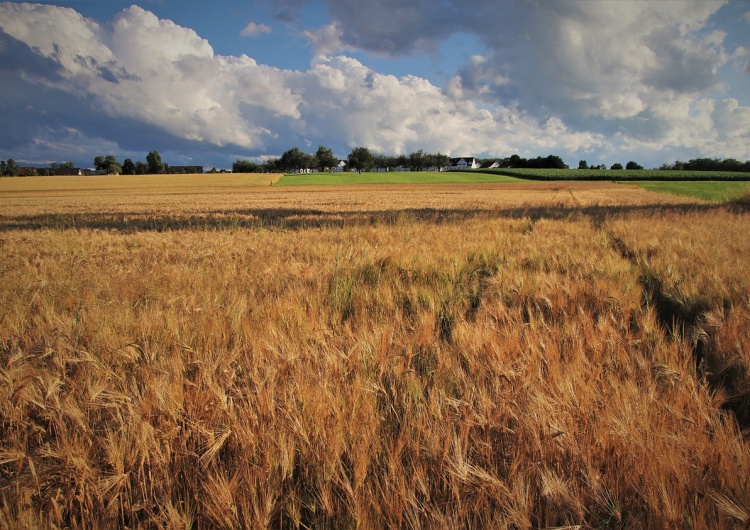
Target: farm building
x: 467, y: 162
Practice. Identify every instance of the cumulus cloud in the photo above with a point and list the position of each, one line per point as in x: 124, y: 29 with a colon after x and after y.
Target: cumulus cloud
x: 325, y: 40
x: 252, y: 29
x: 154, y: 72
x: 566, y: 77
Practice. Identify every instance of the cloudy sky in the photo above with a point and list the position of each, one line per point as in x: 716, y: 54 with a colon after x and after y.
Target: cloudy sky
x: 210, y: 82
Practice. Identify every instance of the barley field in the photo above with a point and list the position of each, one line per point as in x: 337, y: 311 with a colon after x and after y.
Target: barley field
x: 238, y: 355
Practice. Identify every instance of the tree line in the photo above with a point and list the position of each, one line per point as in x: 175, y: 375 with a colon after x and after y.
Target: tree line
x: 362, y: 159
x: 709, y: 164
x: 107, y: 164
x: 630, y: 165
x: 152, y: 166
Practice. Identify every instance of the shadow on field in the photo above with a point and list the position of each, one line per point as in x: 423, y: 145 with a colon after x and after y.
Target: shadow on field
x: 300, y: 219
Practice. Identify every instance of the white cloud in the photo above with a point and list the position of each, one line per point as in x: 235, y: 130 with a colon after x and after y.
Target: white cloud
x: 325, y: 40
x: 252, y: 29
x: 170, y: 78
x: 563, y: 77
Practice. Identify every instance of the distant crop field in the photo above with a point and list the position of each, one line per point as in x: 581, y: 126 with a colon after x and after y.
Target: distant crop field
x: 196, y: 353
x: 413, y: 177
x: 708, y: 190
x: 622, y: 175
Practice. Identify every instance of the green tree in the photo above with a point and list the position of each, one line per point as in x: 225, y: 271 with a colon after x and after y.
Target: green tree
x: 616, y: 165
x: 293, y: 159
x: 417, y: 160
x: 246, y: 166
x: 141, y: 168
x: 633, y: 165
x: 325, y: 159
x: 11, y: 168
x: 155, y: 165
x: 108, y: 163
x: 309, y: 161
x: 272, y: 165
x: 361, y: 159
x: 128, y: 167
x: 583, y: 164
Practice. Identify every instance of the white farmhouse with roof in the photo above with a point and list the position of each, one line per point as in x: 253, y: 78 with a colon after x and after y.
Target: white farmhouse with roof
x: 466, y: 162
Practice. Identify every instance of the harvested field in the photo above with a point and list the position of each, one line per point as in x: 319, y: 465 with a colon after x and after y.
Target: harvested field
x: 491, y: 356
x: 124, y: 203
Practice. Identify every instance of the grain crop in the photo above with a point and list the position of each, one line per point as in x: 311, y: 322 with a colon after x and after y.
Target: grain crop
x: 505, y: 356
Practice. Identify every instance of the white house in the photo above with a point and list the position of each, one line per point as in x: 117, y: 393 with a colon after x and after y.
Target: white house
x: 467, y: 162
x: 339, y: 168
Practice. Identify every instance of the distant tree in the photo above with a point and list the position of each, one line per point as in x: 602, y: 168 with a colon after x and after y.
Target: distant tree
x: 309, y: 161
x: 555, y: 162
x: 583, y: 164
x: 272, y: 165
x: 141, y: 168
x: 382, y: 161
x: 325, y: 159
x: 155, y: 165
x: 292, y: 159
x: 633, y: 165
x: 361, y: 159
x: 616, y: 165
x: 417, y: 160
x: 10, y: 168
x: 246, y: 166
x: 108, y: 163
x: 128, y: 167
x: 442, y: 160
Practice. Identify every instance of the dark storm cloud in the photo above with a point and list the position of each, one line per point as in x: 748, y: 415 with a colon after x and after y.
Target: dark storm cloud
x: 680, y: 66
x: 17, y: 57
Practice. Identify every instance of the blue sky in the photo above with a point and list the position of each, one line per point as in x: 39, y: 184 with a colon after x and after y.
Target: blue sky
x: 210, y: 82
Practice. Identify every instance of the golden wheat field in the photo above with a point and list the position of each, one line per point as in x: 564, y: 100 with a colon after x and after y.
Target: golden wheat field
x: 195, y: 353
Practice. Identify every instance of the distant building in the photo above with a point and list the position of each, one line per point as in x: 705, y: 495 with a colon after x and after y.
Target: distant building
x: 27, y: 171
x: 466, y: 162
x: 490, y: 165
x: 66, y: 172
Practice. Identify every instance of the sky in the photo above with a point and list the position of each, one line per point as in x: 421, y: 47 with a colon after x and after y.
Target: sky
x: 208, y: 83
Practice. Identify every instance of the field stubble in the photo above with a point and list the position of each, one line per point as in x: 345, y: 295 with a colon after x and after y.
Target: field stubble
x: 447, y: 357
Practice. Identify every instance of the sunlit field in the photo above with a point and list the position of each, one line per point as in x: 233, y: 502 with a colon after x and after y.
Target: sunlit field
x: 227, y: 353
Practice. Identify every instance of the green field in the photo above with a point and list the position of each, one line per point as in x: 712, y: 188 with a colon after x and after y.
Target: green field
x: 707, y: 190
x: 394, y: 177
x: 621, y: 174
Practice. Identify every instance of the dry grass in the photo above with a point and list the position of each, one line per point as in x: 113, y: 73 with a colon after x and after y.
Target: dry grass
x: 504, y: 364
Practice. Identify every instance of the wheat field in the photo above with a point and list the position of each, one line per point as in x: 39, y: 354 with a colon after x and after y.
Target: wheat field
x: 246, y: 356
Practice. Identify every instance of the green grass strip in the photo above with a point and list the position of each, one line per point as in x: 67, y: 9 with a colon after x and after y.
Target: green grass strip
x: 707, y: 190
x: 412, y: 177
